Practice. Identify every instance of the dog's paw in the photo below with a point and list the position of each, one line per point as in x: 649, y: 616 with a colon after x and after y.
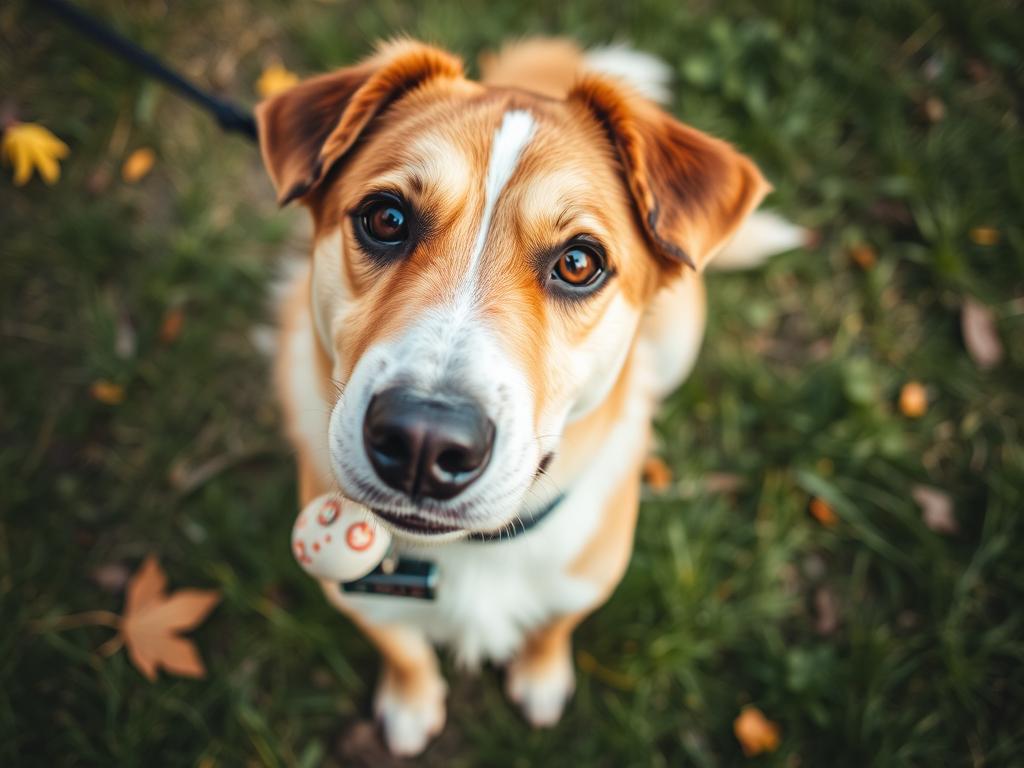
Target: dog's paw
x: 410, y: 715
x: 541, y: 690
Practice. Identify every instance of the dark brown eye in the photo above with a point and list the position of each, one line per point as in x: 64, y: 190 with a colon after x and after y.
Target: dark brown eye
x: 578, y: 266
x: 385, y: 221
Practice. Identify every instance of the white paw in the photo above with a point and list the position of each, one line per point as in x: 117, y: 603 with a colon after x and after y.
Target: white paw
x: 541, y: 692
x: 410, y: 717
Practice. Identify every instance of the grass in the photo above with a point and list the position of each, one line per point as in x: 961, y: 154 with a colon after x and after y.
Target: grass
x: 794, y: 397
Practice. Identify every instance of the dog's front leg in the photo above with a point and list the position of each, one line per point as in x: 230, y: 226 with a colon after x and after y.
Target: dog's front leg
x: 410, y: 698
x: 409, y: 702
x: 541, y: 678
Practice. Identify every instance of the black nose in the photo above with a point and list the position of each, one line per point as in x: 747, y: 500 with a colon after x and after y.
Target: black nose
x: 426, y: 447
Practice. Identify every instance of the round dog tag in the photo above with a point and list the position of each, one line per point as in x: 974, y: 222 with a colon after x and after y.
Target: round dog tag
x: 337, y: 539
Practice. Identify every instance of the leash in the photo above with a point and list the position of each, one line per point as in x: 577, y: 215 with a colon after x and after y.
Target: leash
x: 231, y: 117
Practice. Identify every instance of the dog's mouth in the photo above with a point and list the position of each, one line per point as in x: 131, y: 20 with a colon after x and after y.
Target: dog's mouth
x: 415, y: 524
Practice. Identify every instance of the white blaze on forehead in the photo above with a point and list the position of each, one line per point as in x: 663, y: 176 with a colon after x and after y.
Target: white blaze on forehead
x: 516, y: 129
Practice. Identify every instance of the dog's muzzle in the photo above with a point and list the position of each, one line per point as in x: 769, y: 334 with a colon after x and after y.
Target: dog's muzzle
x: 426, y: 448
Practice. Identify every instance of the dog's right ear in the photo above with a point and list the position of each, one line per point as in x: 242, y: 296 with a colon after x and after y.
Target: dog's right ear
x: 305, y: 130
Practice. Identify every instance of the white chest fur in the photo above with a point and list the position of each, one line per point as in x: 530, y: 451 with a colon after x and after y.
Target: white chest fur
x: 490, y: 594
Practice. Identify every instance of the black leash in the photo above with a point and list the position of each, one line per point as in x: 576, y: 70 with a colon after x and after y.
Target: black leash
x: 231, y: 116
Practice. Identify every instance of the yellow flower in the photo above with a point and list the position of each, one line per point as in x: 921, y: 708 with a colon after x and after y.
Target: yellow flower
x: 29, y: 146
x: 275, y: 79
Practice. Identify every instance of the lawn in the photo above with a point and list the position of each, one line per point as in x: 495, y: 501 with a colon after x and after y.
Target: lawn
x: 870, y: 638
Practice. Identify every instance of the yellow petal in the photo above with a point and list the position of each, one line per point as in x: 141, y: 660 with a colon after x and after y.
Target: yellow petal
x: 32, y: 146
x: 46, y: 164
x: 22, y: 165
x: 275, y: 79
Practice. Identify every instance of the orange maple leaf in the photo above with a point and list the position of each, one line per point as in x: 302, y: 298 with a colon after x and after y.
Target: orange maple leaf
x: 153, y: 618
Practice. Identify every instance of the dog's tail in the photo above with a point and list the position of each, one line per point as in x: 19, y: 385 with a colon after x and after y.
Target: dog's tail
x: 551, y: 65
x: 763, y: 235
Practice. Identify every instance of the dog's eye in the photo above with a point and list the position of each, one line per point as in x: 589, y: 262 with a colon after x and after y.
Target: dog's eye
x: 385, y: 221
x: 578, y: 266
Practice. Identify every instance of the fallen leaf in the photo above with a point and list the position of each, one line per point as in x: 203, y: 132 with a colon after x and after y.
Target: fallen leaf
x: 138, y: 164
x: 275, y: 79
x: 863, y: 256
x: 984, y: 235
x: 111, y: 577
x: 657, y: 474
x: 934, y: 109
x: 152, y: 620
x: 125, y: 340
x: 755, y: 732
x: 823, y: 513
x: 30, y: 146
x: 107, y: 392
x: 170, y: 327
x: 826, y: 610
x: 913, y: 400
x: 936, y: 508
x: 978, y: 326
x: 722, y: 482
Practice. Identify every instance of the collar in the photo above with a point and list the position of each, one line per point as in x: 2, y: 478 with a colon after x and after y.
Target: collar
x: 520, y: 527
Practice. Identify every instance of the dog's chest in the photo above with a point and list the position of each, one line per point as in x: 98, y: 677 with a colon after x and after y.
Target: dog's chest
x: 491, y: 594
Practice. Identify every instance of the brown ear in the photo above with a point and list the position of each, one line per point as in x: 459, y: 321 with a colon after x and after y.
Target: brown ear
x: 308, y: 128
x: 692, y: 191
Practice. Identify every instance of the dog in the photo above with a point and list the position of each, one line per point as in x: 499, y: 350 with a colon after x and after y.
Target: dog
x: 505, y: 280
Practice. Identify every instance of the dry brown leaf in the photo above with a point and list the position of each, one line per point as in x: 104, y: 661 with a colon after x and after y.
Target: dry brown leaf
x: 863, y: 256
x: 936, y: 508
x: 978, y: 325
x: 722, y: 482
x: 755, y: 732
x: 657, y: 474
x: 823, y: 513
x: 107, y: 392
x: 826, y: 609
x: 170, y: 327
x: 984, y: 235
x: 913, y: 400
x: 934, y: 109
x: 138, y: 165
x: 111, y: 577
x: 152, y: 620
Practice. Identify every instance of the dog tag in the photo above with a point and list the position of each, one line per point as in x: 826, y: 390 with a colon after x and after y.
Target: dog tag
x: 337, y: 539
x: 404, y: 578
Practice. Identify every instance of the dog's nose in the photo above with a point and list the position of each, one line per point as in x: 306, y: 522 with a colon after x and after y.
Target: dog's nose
x: 425, y: 447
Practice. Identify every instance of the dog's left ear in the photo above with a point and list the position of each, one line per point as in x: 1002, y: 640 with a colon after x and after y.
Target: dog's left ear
x: 307, y: 129
x: 691, y: 191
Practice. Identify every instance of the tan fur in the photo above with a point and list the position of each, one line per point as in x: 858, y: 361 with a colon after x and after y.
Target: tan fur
x: 601, y: 161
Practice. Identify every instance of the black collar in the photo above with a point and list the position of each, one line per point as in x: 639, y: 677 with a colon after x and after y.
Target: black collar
x: 520, y: 526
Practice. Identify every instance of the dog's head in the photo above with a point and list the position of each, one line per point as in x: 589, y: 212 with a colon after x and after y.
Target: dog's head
x: 482, y: 259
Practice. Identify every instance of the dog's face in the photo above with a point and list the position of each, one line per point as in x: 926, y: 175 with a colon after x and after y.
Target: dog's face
x: 482, y: 259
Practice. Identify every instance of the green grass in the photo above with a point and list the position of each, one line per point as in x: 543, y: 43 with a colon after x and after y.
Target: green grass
x: 795, y: 393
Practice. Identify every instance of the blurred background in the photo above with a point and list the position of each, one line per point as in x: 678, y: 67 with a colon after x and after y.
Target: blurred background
x: 835, y: 540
